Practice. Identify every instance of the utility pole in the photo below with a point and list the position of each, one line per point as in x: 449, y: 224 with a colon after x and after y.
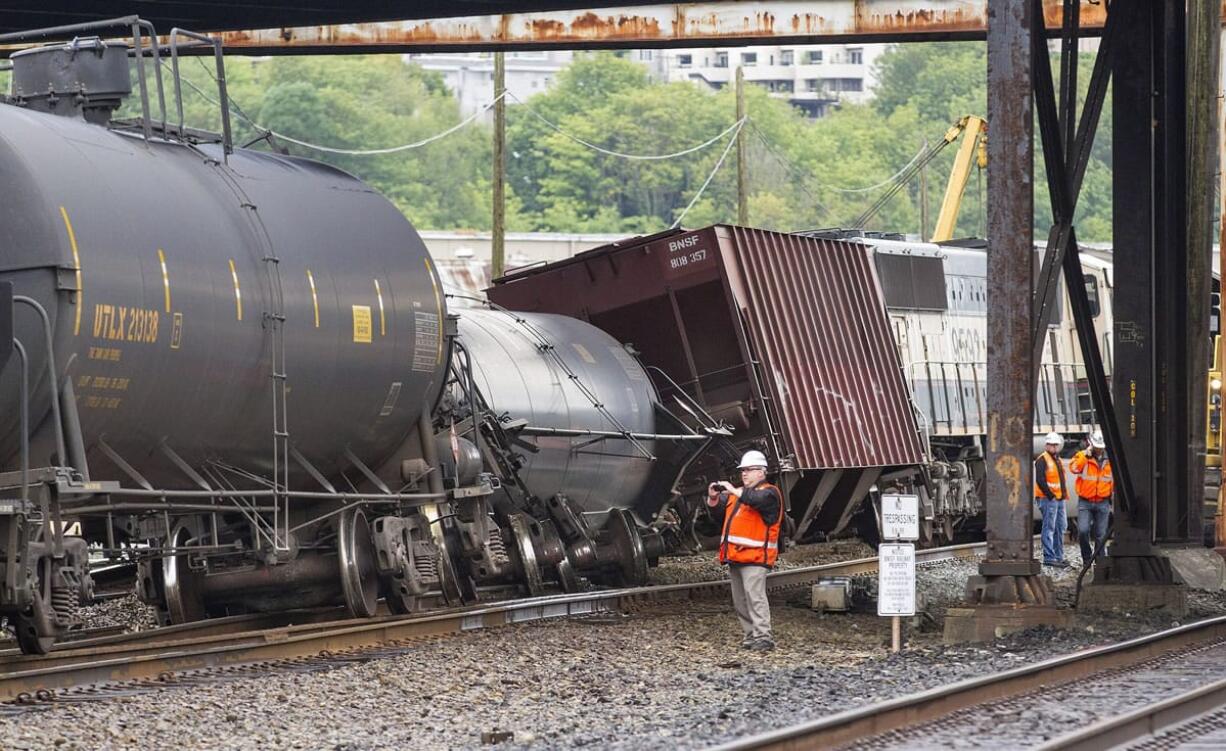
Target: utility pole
x: 924, y: 196
x: 742, y: 155
x: 500, y: 166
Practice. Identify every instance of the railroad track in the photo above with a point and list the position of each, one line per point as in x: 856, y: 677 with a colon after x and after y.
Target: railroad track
x: 76, y: 670
x: 1155, y: 672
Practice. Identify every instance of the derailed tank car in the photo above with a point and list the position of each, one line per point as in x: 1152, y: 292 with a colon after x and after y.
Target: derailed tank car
x: 783, y: 338
x: 238, y: 368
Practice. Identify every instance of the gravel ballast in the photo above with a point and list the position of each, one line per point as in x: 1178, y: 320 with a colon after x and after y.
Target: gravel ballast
x: 665, y: 677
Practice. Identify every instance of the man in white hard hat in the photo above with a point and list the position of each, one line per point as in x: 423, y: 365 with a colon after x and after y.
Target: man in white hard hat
x: 749, y: 544
x: 1094, y: 484
x: 1050, y: 491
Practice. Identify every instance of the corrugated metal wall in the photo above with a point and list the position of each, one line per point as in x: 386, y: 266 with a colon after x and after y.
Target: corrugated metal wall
x: 817, y: 320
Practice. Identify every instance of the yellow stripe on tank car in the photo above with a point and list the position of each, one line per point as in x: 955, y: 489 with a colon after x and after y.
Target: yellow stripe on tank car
x: 382, y: 320
x: 165, y: 277
x: 314, y: 296
x: 76, y: 261
x: 238, y: 293
x: 438, y: 306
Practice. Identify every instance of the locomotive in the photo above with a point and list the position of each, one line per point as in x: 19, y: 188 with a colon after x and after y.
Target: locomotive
x: 238, y: 369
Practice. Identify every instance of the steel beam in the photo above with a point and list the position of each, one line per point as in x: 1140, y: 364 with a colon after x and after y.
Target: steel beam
x: 1066, y: 164
x: 1172, y: 329
x: 1010, y: 273
x: 663, y: 25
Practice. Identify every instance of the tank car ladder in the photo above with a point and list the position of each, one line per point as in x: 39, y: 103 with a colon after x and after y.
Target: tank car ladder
x: 274, y: 326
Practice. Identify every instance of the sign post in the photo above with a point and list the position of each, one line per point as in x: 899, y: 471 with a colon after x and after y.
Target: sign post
x: 896, y: 562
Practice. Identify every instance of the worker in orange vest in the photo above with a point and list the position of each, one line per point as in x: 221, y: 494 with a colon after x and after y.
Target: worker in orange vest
x: 749, y: 544
x: 1050, y: 491
x: 1095, y: 485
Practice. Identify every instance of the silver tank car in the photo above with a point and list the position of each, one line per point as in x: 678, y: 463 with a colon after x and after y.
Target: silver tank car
x: 524, y: 363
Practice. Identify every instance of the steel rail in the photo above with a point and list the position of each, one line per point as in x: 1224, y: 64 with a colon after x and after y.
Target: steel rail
x: 194, y: 647
x: 925, y: 706
x: 1143, y: 722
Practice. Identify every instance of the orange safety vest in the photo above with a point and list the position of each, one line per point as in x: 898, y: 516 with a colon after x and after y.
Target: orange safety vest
x: 1094, y: 480
x: 746, y: 537
x: 1054, y: 478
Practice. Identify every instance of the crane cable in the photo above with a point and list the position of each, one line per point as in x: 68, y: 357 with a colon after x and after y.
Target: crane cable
x: 900, y: 181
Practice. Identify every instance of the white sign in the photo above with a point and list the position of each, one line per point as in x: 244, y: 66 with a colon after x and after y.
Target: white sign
x: 896, y: 579
x: 900, y: 517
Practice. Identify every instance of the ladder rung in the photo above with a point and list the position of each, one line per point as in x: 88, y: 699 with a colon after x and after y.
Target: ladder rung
x: 280, y: 434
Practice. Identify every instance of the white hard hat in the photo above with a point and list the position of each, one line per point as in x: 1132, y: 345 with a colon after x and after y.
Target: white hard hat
x: 1054, y: 438
x: 1096, y: 440
x: 752, y: 459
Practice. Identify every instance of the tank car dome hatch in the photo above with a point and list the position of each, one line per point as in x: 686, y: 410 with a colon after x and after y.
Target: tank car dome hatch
x: 86, y: 77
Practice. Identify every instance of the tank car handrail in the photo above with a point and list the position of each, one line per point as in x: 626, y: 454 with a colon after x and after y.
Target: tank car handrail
x: 227, y: 140
x: 49, y: 341
x: 682, y: 395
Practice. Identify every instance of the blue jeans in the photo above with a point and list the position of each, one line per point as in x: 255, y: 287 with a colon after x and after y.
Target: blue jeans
x: 1091, y: 516
x: 1054, y: 524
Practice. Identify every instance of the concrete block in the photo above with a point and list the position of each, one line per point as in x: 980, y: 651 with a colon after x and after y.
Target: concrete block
x: 1200, y: 568
x: 1135, y: 598
x: 989, y: 622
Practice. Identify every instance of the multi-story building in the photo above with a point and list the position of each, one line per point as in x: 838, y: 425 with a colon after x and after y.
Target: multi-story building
x: 811, y: 77
x: 471, y: 76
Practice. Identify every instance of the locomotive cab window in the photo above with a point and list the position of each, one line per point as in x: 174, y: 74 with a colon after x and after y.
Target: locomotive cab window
x: 912, y: 282
x: 1092, y: 296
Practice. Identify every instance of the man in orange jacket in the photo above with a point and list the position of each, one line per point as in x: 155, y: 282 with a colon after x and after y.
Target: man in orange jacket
x: 1095, y: 484
x: 749, y: 544
x: 1051, y: 493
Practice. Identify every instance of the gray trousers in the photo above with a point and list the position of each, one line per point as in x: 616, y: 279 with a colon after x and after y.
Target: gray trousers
x: 753, y: 610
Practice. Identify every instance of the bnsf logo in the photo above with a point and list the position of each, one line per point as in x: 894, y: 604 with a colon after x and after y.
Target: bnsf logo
x: 682, y: 244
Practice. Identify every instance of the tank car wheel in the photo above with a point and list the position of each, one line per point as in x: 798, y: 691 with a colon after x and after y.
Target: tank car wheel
x: 356, y: 554
x: 184, y: 602
x: 623, y: 540
x: 525, y: 554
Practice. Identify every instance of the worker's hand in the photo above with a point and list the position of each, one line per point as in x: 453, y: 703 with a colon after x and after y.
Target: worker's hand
x: 713, y: 494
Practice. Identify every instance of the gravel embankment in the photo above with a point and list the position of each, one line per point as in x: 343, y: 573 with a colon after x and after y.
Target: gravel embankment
x: 661, y: 678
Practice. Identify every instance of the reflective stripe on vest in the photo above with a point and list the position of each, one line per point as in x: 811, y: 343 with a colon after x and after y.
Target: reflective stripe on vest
x: 749, y: 541
x: 1054, y: 478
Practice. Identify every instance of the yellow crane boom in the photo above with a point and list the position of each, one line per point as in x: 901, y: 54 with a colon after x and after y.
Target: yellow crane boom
x: 973, y: 150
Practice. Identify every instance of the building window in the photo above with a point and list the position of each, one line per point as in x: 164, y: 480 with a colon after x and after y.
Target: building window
x: 646, y: 54
x: 749, y: 58
x: 812, y: 84
x: 814, y: 57
x: 845, y: 84
x: 855, y: 57
x: 721, y: 59
x: 782, y: 86
x: 785, y: 57
x: 685, y: 61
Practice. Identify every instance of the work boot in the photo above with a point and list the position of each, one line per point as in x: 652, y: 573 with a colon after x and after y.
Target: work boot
x: 765, y: 644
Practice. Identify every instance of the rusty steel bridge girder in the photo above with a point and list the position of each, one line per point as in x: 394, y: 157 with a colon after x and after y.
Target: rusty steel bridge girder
x: 1010, y: 277
x: 663, y: 25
